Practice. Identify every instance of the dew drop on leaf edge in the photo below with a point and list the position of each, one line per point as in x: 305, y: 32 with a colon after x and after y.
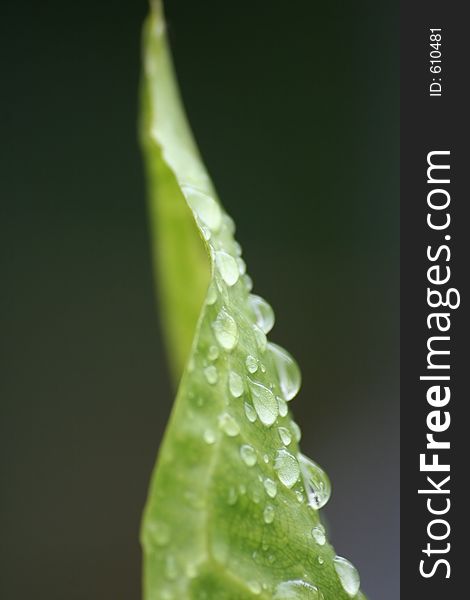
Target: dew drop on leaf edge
x: 211, y: 295
x: 287, y: 370
x: 241, y: 265
x: 247, y: 282
x: 260, y: 338
x: 296, y: 431
x: 297, y: 590
x: 205, y: 207
x: 348, y: 575
x: 264, y: 314
x: 282, y: 404
x: 285, y: 435
x: 316, y: 481
x: 227, y: 267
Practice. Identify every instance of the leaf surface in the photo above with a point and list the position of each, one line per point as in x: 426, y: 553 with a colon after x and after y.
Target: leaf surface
x: 232, y: 507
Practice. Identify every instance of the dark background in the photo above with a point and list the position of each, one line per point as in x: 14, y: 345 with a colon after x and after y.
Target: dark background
x: 429, y: 124
x: 295, y: 108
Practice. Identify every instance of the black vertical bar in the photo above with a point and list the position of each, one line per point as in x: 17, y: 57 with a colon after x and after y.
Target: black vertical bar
x: 431, y: 123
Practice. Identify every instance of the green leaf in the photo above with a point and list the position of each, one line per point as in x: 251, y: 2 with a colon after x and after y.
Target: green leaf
x: 232, y: 508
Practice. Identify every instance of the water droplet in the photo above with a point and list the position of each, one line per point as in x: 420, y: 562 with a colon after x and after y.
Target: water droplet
x: 255, y: 587
x: 283, y: 409
x: 205, y: 207
x: 287, y: 371
x: 241, y: 265
x: 250, y: 413
x: 268, y: 514
x: 264, y: 402
x: 271, y: 487
x: 300, y: 496
x: 318, y: 534
x: 209, y: 436
x: 229, y: 223
x: 211, y: 295
x: 247, y: 282
x: 228, y: 267
x: 225, y: 330
x: 211, y: 374
x: 260, y: 338
x: 348, y: 576
x: 251, y: 363
x: 285, y: 435
x: 228, y: 425
x: 316, y: 482
x: 266, y: 458
x: 297, y: 590
x: 321, y: 560
x: 232, y: 497
x: 264, y: 315
x: 296, y: 431
x: 287, y: 468
x: 213, y: 353
x: 235, y: 384
x: 248, y: 455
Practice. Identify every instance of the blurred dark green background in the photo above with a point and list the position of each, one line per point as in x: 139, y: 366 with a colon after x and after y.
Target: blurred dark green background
x: 295, y: 107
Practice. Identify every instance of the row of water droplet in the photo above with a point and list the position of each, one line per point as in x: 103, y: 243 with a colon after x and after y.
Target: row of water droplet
x: 266, y: 405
